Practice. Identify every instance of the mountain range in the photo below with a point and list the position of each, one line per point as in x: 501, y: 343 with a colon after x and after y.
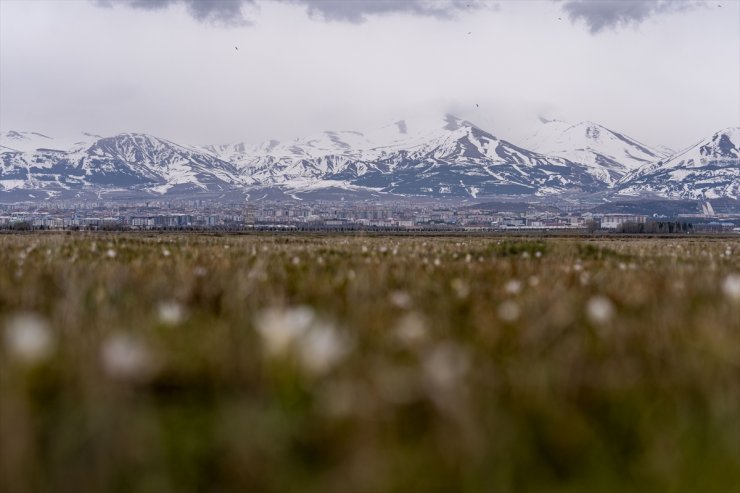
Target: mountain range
x: 442, y: 156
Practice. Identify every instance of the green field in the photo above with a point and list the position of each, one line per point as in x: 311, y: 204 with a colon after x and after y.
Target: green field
x: 268, y: 363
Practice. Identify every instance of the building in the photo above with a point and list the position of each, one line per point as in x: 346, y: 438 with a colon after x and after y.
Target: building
x: 613, y: 221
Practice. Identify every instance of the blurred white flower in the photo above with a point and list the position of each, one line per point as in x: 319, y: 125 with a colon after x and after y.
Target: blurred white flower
x: 410, y: 329
x: 200, y: 271
x: 318, y: 345
x: 460, y: 287
x: 322, y: 348
x: 296, y: 260
x: 166, y: 253
x: 125, y: 357
x: 731, y: 287
x: 445, y: 364
x: 281, y: 328
x: 508, y: 311
x: 584, y: 278
x: 599, y: 309
x: 400, y: 299
x: 110, y: 253
x: 28, y: 338
x: 513, y: 287
x: 171, y: 312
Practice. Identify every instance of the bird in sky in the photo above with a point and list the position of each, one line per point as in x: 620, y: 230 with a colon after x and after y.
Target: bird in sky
x: 236, y: 48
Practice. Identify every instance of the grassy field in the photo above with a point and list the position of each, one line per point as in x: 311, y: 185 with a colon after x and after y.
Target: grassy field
x: 206, y: 363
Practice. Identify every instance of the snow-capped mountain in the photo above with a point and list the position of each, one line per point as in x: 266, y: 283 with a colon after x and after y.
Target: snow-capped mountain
x: 13, y: 141
x: 709, y: 169
x: 440, y: 156
x: 125, y: 161
x: 607, y: 154
x: 443, y: 155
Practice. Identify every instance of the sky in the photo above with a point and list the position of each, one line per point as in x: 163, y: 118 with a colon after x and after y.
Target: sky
x: 666, y: 72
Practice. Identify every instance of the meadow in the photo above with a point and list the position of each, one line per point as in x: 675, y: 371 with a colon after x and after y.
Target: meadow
x: 277, y: 363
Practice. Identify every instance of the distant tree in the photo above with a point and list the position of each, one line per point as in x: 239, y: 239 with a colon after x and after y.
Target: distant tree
x: 21, y: 226
x: 592, y: 226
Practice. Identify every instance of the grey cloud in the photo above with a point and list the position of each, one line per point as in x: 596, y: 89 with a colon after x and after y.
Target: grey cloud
x: 218, y: 11
x: 230, y: 11
x: 610, y: 14
x: 358, y: 10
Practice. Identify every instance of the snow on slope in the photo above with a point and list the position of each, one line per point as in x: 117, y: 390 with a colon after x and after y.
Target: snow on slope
x: 609, y: 155
x: 421, y: 156
x: 709, y: 169
x: 436, y: 156
x: 28, y: 142
x: 125, y: 161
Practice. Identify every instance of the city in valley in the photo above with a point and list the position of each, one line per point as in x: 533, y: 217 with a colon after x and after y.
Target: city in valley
x: 697, y: 216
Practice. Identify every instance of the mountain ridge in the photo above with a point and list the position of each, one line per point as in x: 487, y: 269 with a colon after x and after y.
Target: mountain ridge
x: 443, y: 156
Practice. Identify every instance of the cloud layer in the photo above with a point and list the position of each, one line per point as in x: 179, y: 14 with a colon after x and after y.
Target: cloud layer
x: 230, y: 12
x: 600, y: 15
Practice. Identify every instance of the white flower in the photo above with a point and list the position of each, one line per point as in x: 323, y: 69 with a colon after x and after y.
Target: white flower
x: 318, y: 345
x: 280, y: 329
x: 460, y: 287
x: 411, y: 329
x: 508, y: 311
x: 445, y: 365
x: 28, y: 338
x: 171, y: 312
x: 599, y: 309
x: 110, y: 253
x: 296, y: 260
x: 322, y: 348
x: 125, y: 357
x: 731, y: 287
x: 401, y: 299
x: 513, y: 286
x: 166, y: 253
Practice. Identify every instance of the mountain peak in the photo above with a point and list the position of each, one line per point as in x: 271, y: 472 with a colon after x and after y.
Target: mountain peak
x: 709, y: 169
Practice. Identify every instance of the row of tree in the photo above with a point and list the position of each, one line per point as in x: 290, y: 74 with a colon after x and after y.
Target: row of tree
x: 655, y: 227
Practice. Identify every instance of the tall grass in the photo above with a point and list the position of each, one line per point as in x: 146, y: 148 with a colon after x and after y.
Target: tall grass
x: 196, y: 363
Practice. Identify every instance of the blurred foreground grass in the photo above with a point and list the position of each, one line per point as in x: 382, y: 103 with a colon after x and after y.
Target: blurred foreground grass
x: 196, y: 363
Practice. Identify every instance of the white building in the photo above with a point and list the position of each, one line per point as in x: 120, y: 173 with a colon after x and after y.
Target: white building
x: 613, y: 221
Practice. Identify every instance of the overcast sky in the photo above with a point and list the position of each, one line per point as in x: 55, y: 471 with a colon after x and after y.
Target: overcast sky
x: 663, y: 71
